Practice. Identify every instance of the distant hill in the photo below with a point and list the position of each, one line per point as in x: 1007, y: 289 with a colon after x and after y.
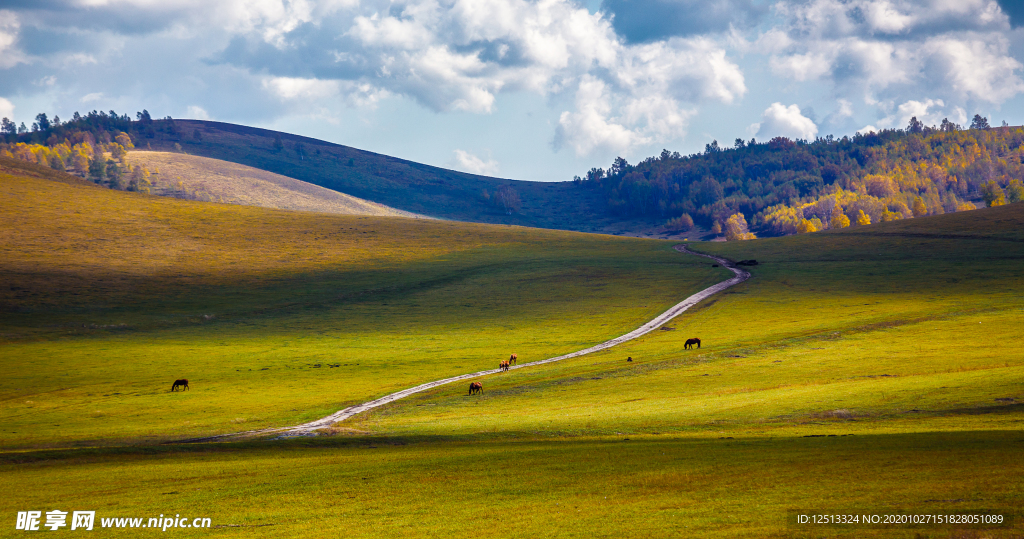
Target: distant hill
x: 768, y: 188
x: 782, y: 186
x: 401, y: 184
x: 204, y: 178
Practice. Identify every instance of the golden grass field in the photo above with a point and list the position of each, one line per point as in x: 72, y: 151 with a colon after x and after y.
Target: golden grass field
x: 870, y: 370
x: 179, y: 174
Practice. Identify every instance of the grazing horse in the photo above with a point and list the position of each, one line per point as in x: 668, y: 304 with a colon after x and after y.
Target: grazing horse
x: 475, y: 387
x: 512, y: 359
x: 183, y: 383
x: 503, y: 366
x: 690, y: 342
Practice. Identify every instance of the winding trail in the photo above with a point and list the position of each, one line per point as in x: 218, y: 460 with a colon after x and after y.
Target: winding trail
x: 308, y: 429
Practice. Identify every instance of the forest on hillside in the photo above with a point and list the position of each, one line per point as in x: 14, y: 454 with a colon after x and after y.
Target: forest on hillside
x: 783, y: 186
x: 776, y: 187
x: 94, y: 146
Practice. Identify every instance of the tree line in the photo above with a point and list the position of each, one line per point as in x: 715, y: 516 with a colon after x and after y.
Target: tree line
x: 785, y: 186
x: 93, y: 146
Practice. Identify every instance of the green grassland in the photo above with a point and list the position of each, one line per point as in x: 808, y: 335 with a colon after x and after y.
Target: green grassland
x: 641, y: 487
x: 910, y: 326
x: 872, y: 369
x: 281, y: 317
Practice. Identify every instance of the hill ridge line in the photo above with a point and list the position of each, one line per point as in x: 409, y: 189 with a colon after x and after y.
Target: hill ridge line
x: 307, y: 429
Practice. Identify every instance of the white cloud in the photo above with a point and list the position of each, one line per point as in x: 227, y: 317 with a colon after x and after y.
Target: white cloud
x: 95, y: 96
x: 304, y: 56
x: 897, y: 48
x: 845, y: 109
x: 885, y: 18
x: 867, y: 129
x: 6, y: 109
x: 10, y: 26
x: 928, y: 112
x: 780, y: 120
x: 462, y: 58
x: 974, y: 68
x: 196, y: 112
x: 590, y: 128
x: 300, y: 88
x: 468, y: 162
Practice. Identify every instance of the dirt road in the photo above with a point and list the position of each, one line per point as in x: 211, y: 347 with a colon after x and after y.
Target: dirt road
x: 309, y: 429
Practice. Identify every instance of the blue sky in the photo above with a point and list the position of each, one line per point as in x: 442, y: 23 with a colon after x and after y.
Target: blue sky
x: 533, y: 90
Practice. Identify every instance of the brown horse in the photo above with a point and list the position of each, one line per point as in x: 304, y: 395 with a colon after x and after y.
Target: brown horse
x: 503, y: 366
x: 512, y: 359
x: 183, y: 383
x: 475, y: 387
x: 690, y: 342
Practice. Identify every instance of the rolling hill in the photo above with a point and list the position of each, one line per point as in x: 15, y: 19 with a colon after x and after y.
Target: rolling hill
x: 194, y: 177
x: 872, y: 369
x: 772, y: 188
x: 397, y: 183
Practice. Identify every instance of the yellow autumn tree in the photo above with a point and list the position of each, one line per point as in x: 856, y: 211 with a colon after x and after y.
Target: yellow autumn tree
x: 839, y: 220
x: 124, y: 140
x: 138, y: 179
x: 919, y: 208
x: 805, y: 226
x: 890, y: 216
x: 863, y: 218
x: 736, y: 228
x: 1014, y: 191
x: 993, y: 194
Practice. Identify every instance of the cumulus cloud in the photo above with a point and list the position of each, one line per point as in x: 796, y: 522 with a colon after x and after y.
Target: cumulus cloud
x: 780, y: 120
x: 10, y: 55
x: 632, y: 75
x: 843, y: 112
x: 645, y: 98
x: 6, y: 108
x: 196, y: 112
x: 930, y: 112
x: 468, y: 162
x: 447, y: 55
x: 591, y: 126
x: 873, y: 48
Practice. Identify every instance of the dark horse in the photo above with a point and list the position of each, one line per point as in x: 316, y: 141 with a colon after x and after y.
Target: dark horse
x: 183, y: 383
x: 512, y: 359
x: 690, y: 342
x: 475, y: 387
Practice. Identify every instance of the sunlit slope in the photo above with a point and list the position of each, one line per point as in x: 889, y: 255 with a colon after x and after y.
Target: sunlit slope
x: 213, y: 179
x: 905, y: 326
x: 278, y: 317
x: 398, y: 183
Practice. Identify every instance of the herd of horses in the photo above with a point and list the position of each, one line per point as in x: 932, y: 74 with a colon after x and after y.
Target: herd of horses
x: 475, y: 387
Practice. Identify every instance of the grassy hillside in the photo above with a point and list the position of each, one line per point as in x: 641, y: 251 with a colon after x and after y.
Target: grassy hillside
x: 191, y: 176
x: 871, y: 370
x: 398, y: 183
x: 395, y: 182
x: 777, y: 187
x: 280, y: 317
x: 908, y: 326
